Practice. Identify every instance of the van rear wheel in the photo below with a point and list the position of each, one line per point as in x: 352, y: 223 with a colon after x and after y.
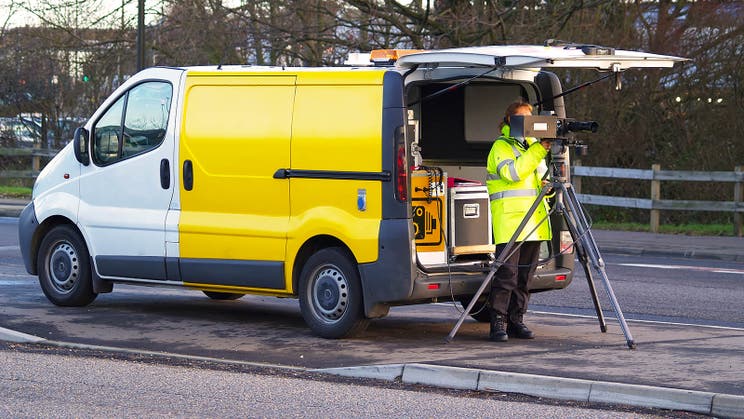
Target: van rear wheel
x: 331, y: 295
x: 64, y: 268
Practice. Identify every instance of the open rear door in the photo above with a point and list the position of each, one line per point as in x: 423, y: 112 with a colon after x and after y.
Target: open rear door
x: 535, y: 56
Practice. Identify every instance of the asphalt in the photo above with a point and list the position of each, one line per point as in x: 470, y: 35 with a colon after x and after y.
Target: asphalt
x: 559, y: 384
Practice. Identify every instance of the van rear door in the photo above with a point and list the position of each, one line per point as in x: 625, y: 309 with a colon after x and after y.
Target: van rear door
x: 535, y: 56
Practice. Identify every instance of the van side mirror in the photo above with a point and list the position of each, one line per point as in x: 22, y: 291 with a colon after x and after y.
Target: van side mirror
x: 81, y: 146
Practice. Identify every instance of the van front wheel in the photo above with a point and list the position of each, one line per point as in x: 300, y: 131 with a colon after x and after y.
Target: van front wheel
x: 64, y: 268
x: 331, y: 295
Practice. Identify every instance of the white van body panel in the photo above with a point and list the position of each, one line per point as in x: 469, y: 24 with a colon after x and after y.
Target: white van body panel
x: 125, y: 220
x: 445, y: 73
x: 535, y: 56
x: 123, y: 207
x: 56, y: 191
x: 173, y: 217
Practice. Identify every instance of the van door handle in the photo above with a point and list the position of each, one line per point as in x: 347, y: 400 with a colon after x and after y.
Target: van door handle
x: 188, y: 175
x: 165, y: 174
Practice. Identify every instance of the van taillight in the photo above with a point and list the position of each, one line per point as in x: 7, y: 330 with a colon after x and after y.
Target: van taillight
x: 566, y: 242
x: 401, y: 167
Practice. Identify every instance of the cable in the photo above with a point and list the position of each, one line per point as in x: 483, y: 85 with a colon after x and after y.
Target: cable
x: 573, y: 89
x: 453, y: 87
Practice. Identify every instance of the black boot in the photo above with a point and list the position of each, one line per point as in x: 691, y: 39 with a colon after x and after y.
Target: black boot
x: 498, y: 328
x: 517, y: 328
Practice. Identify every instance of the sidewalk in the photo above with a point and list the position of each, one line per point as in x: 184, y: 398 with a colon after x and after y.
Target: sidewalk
x: 623, y: 242
x: 670, y: 245
x: 675, y: 366
x: 11, y: 207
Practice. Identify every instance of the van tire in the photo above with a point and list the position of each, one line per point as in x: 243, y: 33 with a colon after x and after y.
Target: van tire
x: 64, y: 268
x: 331, y: 295
x: 222, y: 295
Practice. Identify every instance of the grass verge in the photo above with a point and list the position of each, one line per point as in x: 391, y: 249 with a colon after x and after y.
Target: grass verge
x: 20, y: 192
x: 685, y: 229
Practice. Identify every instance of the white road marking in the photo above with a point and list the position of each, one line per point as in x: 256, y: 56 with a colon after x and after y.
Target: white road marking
x: 683, y: 267
x: 4, y: 248
x: 6, y: 282
x: 609, y: 318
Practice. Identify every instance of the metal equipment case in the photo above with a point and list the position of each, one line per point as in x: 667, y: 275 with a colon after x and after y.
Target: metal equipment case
x: 470, y: 221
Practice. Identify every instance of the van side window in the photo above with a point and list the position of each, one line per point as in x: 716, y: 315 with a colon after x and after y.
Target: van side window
x: 134, y: 124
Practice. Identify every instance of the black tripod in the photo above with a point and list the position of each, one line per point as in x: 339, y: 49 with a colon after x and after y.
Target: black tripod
x: 567, y: 205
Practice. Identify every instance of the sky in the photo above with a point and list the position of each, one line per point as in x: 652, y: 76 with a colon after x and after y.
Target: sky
x: 22, y: 17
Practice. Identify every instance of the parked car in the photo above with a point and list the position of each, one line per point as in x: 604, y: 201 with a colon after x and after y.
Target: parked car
x: 14, y: 133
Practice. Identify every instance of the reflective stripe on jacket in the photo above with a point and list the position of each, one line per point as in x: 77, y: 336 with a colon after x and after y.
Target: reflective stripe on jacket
x: 513, y: 184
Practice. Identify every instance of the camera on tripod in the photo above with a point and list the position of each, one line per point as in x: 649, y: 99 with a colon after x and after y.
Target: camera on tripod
x: 548, y: 126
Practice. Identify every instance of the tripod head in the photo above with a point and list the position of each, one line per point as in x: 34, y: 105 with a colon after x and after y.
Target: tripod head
x: 560, y: 160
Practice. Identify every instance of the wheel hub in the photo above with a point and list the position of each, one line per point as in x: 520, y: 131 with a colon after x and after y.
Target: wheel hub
x: 330, y: 293
x: 64, y: 268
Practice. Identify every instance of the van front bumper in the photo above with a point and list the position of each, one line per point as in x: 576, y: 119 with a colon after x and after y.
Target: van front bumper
x: 27, y: 226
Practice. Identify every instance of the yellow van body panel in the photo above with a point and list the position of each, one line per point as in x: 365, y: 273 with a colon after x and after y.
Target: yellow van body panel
x: 322, y: 121
x: 342, y: 135
x: 332, y: 210
x: 236, y: 130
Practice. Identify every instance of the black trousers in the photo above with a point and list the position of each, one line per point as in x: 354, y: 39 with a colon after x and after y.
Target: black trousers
x: 509, y: 288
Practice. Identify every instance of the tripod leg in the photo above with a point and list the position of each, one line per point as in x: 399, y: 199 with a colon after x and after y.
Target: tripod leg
x: 477, y: 294
x: 499, y: 261
x: 581, y: 252
x: 590, y: 246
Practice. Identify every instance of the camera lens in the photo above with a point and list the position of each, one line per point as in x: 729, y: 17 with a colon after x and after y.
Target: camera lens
x: 582, y: 126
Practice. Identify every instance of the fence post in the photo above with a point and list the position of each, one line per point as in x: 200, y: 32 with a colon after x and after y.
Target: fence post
x: 738, y: 198
x: 35, y: 158
x: 576, y: 180
x: 655, y: 196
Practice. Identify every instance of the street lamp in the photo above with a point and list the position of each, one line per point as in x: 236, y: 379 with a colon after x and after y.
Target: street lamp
x: 140, y: 34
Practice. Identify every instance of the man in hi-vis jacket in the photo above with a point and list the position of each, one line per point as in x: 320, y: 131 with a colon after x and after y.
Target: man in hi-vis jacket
x: 513, y: 185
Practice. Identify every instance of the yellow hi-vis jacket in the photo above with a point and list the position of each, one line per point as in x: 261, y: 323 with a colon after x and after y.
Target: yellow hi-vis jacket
x: 513, y: 185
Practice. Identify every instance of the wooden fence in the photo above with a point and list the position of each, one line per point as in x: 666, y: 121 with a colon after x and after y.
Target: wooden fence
x: 35, y: 157
x: 655, y: 204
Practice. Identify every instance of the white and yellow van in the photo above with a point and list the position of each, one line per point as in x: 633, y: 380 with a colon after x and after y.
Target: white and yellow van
x: 353, y: 189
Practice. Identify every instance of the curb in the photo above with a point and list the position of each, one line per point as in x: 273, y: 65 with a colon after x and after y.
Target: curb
x: 18, y: 337
x: 722, y: 405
